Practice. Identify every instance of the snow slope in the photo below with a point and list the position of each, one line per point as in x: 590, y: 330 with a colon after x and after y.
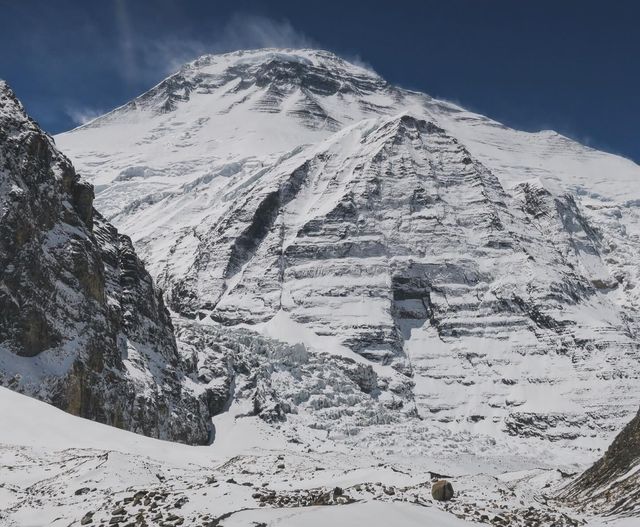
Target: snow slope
x: 58, y: 469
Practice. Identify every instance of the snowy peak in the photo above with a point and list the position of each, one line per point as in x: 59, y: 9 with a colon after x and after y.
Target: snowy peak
x: 493, y: 270
x: 305, y: 60
x: 290, y: 81
x: 243, y: 108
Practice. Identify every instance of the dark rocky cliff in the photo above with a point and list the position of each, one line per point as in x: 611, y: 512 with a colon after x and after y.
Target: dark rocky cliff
x: 612, y: 484
x: 82, y: 325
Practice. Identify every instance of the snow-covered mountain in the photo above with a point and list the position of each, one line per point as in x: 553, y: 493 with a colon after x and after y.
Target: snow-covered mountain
x: 492, y: 273
x: 83, y: 327
x: 370, y: 289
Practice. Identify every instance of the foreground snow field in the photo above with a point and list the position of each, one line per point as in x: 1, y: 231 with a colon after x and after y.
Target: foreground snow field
x: 56, y: 469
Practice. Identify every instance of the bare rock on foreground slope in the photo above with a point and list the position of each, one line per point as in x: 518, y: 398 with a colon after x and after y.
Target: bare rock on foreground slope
x: 612, y: 484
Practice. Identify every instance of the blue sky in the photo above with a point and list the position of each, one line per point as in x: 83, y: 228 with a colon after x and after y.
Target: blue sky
x: 568, y: 65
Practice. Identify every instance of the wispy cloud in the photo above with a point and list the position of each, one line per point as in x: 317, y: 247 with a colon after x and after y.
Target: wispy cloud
x: 82, y: 115
x: 143, y: 58
x: 127, y: 42
x: 250, y: 31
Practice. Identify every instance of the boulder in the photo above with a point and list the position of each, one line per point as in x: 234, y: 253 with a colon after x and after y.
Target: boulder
x: 442, y: 490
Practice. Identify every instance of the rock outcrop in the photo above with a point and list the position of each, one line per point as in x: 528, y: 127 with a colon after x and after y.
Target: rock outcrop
x: 612, y: 484
x: 82, y: 325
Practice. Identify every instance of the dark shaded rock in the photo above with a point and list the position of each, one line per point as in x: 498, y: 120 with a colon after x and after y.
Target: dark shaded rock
x: 611, y: 485
x: 622, y: 455
x: 83, y: 201
x: 442, y: 490
x: 267, y: 406
x: 180, y: 502
x: 75, y: 296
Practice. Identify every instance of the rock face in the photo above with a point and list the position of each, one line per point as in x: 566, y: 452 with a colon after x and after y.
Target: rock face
x: 494, y: 271
x: 82, y: 325
x: 612, y: 484
x: 442, y: 490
